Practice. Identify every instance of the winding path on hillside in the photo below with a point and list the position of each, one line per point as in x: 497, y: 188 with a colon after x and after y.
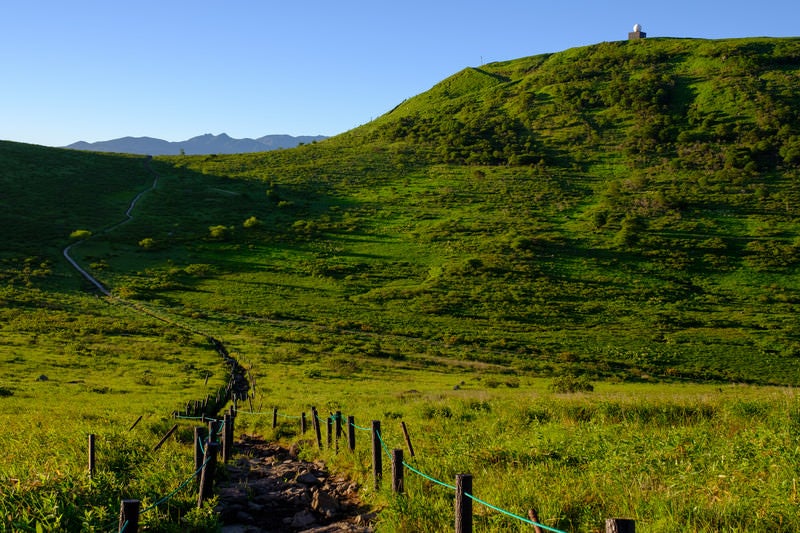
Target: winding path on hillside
x: 298, y: 496
x: 128, y: 218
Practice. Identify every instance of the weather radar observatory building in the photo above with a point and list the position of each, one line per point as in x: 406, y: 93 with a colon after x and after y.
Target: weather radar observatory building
x: 637, y: 33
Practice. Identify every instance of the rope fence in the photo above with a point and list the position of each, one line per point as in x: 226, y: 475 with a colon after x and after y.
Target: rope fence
x: 338, y: 418
x: 207, y: 447
x: 206, y: 450
x: 196, y: 410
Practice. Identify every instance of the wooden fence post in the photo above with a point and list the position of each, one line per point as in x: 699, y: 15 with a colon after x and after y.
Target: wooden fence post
x: 129, y: 516
x: 351, y: 433
x: 91, y: 455
x: 315, y: 422
x: 377, y: 463
x: 274, y: 417
x: 338, y: 420
x: 329, y: 425
x: 213, y: 430
x: 207, y: 475
x: 303, y: 423
x: 463, y: 503
x: 227, y: 444
x: 620, y: 525
x: 533, y: 515
x: 165, y: 437
x: 408, y: 439
x: 198, y: 447
x: 397, y: 471
x: 134, y: 424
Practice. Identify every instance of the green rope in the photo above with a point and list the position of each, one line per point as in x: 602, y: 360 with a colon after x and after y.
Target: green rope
x: 334, y: 418
x: 206, y: 418
x: 429, y: 478
x: 270, y: 413
x: 359, y: 427
x: 512, y: 515
x: 174, y: 492
x: 383, y: 445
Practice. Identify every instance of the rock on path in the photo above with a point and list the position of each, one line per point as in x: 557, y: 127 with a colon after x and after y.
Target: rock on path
x: 269, y: 490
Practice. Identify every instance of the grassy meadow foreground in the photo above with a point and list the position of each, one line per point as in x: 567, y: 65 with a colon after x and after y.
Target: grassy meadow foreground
x: 707, y: 458
x: 623, y: 215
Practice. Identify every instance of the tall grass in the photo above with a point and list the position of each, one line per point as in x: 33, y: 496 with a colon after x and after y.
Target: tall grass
x: 697, y: 458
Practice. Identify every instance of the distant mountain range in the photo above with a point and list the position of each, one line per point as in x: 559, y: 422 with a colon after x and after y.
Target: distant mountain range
x: 202, y: 144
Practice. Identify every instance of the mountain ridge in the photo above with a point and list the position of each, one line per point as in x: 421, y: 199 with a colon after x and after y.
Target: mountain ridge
x: 198, y: 145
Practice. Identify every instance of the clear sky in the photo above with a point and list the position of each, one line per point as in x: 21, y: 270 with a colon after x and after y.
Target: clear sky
x: 173, y: 69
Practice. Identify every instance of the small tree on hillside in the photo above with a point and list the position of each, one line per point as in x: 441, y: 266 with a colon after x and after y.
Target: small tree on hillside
x: 220, y: 233
x: 148, y: 243
x: 80, y: 234
x: 252, y: 222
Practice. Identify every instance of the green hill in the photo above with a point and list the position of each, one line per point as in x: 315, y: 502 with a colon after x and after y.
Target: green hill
x: 626, y: 210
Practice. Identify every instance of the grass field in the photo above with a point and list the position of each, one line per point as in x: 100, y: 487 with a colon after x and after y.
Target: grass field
x: 621, y: 215
x: 704, y: 458
x: 79, y: 365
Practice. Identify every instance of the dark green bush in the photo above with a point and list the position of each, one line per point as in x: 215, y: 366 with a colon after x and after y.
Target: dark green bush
x: 568, y: 384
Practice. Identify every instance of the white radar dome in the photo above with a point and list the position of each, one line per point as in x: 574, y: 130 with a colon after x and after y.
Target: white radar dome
x: 637, y: 27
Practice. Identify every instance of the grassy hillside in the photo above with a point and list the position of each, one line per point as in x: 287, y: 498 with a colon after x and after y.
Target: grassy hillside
x: 626, y: 210
x: 615, y: 213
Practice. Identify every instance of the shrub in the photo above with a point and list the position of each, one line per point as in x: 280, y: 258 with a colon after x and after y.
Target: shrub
x: 312, y: 373
x: 147, y: 243
x: 571, y: 384
x: 220, y: 232
x: 80, y: 234
x: 343, y: 366
x: 436, y: 411
x: 252, y: 222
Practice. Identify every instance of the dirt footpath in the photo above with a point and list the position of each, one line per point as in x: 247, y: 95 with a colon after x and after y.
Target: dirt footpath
x: 268, y: 490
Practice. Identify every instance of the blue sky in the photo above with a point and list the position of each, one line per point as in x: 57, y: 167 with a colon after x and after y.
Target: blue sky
x: 173, y: 69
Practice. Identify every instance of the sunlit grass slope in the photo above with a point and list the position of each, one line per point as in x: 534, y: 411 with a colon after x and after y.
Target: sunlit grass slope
x: 625, y: 210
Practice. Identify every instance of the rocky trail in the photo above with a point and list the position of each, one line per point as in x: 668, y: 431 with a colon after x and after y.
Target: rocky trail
x: 269, y: 490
